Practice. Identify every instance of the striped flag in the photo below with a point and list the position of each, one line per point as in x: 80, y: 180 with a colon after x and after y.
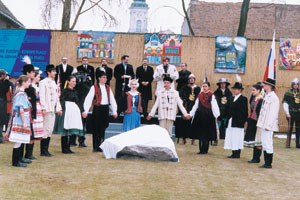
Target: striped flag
x: 271, y: 65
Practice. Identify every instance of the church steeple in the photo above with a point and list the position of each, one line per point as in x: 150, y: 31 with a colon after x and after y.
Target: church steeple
x: 138, y: 16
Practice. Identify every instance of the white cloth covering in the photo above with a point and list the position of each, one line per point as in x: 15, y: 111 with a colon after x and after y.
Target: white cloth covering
x: 146, y: 136
x: 267, y: 140
x: 234, y: 138
x: 72, y: 118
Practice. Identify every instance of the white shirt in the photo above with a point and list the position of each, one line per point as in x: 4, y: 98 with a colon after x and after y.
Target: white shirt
x: 236, y: 97
x: 133, y: 94
x: 64, y: 67
x: 104, y: 99
x: 214, y: 107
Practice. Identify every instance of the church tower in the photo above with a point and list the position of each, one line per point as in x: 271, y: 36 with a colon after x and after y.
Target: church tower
x: 138, y: 16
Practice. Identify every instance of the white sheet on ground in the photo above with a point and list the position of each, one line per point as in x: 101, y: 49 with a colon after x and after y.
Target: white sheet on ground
x: 150, y: 139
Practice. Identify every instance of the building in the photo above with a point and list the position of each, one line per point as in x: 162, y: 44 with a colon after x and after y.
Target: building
x: 211, y: 19
x: 138, y: 16
x: 7, y: 19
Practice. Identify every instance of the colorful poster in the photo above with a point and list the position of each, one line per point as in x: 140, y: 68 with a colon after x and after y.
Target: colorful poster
x: 96, y: 45
x: 158, y: 46
x: 289, y: 50
x: 230, y: 54
x: 15, y: 44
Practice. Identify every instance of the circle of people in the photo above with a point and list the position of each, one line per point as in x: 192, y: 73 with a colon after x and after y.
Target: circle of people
x: 60, y: 104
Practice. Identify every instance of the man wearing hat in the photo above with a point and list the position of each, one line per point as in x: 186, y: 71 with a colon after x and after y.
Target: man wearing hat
x: 162, y: 71
x: 268, y: 120
x: 166, y: 102
x: 4, y: 88
x: 103, y: 100
x: 50, y: 104
x: 291, y: 106
x: 29, y: 71
x: 222, y: 95
x: 237, y: 114
x: 188, y: 94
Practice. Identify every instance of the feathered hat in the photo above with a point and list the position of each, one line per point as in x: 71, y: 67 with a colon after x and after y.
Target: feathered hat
x: 238, y: 84
x: 28, y: 67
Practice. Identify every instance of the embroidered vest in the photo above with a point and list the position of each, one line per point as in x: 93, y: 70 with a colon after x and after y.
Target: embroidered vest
x: 98, y: 95
x: 205, y: 99
x: 129, y: 104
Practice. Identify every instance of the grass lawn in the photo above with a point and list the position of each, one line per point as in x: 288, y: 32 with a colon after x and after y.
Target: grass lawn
x: 88, y: 175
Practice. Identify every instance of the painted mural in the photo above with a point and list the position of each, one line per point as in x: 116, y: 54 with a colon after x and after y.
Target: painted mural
x: 289, y: 51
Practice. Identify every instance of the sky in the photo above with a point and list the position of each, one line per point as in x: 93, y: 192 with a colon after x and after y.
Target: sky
x: 162, y: 15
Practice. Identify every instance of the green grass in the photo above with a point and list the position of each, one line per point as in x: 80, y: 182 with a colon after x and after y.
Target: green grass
x: 88, y: 175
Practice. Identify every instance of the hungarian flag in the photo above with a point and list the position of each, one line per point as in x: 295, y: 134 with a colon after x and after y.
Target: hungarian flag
x: 271, y: 65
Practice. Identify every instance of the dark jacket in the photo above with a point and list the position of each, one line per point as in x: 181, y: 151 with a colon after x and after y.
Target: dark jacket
x: 119, y: 71
x: 70, y: 95
x: 185, y: 93
x: 4, y: 87
x: 223, y: 101
x: 109, y: 73
x: 30, y: 91
x: 63, y: 76
x: 145, y: 76
x: 183, y: 79
x: 238, y: 111
x: 90, y: 71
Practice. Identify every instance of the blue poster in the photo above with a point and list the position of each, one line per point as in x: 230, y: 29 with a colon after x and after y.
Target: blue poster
x: 15, y: 44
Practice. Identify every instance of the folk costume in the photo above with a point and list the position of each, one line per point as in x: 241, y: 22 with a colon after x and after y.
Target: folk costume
x: 108, y: 71
x: 237, y: 114
x: 38, y: 122
x: 268, y: 122
x: 188, y: 94
x: 166, y: 103
x: 163, y: 71
x: 82, y: 87
x: 291, y: 106
x: 4, y: 88
x: 9, y: 97
x: 15, y: 131
x: 70, y: 122
x: 204, y: 113
x: 132, y: 109
x: 102, y: 99
x: 145, y: 74
x: 222, y: 97
x: 50, y: 104
x: 183, y: 79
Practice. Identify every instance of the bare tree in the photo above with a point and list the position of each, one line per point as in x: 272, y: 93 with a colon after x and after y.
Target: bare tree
x: 243, y: 18
x: 73, y: 6
x: 187, y: 18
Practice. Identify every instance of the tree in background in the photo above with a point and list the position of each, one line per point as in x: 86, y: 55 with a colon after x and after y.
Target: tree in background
x: 69, y: 7
x: 243, y: 18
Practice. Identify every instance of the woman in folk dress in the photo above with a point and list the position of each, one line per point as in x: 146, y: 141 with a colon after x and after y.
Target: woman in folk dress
x: 70, y: 123
x: 19, y: 124
x: 132, y: 107
x: 38, y: 122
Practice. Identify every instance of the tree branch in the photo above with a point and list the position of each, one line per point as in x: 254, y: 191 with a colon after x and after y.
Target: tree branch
x: 91, y: 7
x: 77, y: 14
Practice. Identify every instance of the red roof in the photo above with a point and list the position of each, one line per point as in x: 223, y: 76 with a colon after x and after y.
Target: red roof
x: 85, y: 35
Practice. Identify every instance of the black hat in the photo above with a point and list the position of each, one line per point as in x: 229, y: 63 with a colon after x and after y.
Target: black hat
x: 50, y: 67
x: 100, y: 73
x: 223, y: 80
x: 28, y: 68
x: 168, y: 79
x: 270, y: 82
x: 237, y: 85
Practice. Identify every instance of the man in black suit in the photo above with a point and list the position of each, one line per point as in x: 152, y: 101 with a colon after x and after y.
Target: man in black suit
x: 82, y: 87
x: 108, y: 71
x: 183, y: 79
x: 122, y: 72
x: 144, y: 74
x: 63, y: 71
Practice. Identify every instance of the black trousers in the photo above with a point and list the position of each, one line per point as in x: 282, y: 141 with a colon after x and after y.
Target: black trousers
x: 145, y: 107
x: 203, y: 146
x: 222, y: 129
x: 295, y: 121
x: 100, y: 119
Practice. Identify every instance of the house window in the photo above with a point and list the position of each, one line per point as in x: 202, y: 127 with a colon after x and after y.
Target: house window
x: 138, y: 26
x: 172, y: 43
x: 175, y: 50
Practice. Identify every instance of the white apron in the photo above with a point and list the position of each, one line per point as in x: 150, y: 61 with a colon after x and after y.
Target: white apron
x: 72, y: 118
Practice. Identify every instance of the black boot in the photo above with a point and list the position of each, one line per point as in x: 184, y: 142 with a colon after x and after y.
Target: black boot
x: 268, y: 161
x: 72, y: 140
x: 238, y: 153
x: 69, y: 144
x: 64, y: 144
x: 297, y: 140
x: 29, y: 151
x: 48, y: 154
x: 256, y: 155
x: 233, y: 155
x: 21, y: 155
x: 15, y: 158
x: 43, y: 147
x: 200, y: 147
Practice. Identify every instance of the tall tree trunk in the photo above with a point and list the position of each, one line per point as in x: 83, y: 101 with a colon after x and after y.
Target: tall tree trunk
x: 243, y: 18
x: 65, y: 23
x: 187, y: 19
